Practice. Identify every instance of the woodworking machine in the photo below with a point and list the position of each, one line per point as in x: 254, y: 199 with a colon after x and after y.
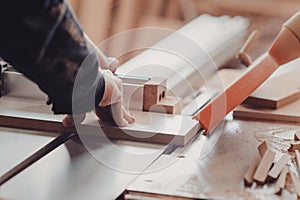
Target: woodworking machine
x: 168, y: 82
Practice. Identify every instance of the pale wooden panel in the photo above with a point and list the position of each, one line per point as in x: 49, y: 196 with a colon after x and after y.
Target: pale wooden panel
x: 288, y: 113
x: 278, y: 91
x: 149, y: 127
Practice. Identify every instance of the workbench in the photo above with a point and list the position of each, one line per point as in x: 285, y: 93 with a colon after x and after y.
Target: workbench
x: 208, y: 167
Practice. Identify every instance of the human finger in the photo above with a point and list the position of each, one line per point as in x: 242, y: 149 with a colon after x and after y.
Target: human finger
x: 68, y: 120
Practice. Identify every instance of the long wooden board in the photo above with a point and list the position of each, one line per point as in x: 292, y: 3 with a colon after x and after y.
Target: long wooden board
x: 276, y: 92
x: 288, y: 113
x: 149, y: 127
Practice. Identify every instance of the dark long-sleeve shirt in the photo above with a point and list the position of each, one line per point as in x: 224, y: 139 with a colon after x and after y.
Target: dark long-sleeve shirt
x: 43, y: 40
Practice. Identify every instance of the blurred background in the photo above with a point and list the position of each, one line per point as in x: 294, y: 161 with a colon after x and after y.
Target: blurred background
x: 103, y: 18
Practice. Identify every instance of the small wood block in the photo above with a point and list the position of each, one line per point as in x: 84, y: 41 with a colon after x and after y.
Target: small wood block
x: 280, y: 183
x: 248, y: 177
x: 294, y: 146
x: 154, y: 91
x: 169, y: 105
x: 297, y: 158
x: 278, y: 166
x: 296, y: 182
x: 297, y: 136
x: 264, y: 166
x: 262, y: 148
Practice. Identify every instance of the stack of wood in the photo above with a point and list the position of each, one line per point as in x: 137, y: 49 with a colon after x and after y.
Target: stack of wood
x: 264, y: 169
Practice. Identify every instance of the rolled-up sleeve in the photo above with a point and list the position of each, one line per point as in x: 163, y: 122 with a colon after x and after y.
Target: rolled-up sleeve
x: 43, y: 40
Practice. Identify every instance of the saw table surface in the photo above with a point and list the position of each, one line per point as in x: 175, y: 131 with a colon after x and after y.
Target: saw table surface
x: 207, y: 167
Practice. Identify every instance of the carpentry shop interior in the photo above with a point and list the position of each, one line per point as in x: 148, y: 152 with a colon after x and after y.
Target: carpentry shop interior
x: 149, y: 99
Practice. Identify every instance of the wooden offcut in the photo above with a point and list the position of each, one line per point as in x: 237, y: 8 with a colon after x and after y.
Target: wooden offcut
x: 280, y: 183
x: 297, y: 158
x: 262, y: 148
x: 296, y: 182
x: 248, y: 177
x: 278, y: 166
x: 154, y: 91
x: 264, y: 166
x: 169, y: 105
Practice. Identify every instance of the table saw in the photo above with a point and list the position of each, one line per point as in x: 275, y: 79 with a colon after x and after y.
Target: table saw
x: 134, y: 159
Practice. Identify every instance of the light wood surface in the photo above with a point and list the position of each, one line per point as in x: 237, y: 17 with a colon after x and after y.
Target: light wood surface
x: 276, y: 92
x: 297, y: 158
x: 200, y: 170
x: 280, y: 183
x: 288, y: 113
x: 248, y: 177
x: 295, y: 182
x: 264, y: 166
x: 149, y: 127
x: 262, y: 148
x: 278, y: 166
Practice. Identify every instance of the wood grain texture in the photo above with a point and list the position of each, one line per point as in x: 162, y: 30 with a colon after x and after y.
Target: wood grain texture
x: 280, y: 183
x: 278, y: 166
x: 295, y: 182
x: 276, y: 92
x: 264, y: 166
x: 262, y: 148
x: 288, y: 113
x: 297, y: 158
x: 149, y: 127
x: 248, y: 177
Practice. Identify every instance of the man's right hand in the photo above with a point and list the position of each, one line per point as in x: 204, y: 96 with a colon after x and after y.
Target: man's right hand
x: 113, y: 97
x: 110, y: 107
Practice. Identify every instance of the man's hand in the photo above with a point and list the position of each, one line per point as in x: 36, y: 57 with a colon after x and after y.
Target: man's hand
x: 113, y: 97
x: 110, y: 107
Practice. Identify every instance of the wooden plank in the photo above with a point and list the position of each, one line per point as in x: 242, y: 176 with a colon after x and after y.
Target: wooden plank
x: 288, y: 113
x: 248, y: 176
x: 297, y: 158
x: 262, y: 148
x: 295, y: 182
x: 278, y: 166
x: 264, y: 166
x: 149, y: 127
x: 280, y: 183
x: 276, y: 92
